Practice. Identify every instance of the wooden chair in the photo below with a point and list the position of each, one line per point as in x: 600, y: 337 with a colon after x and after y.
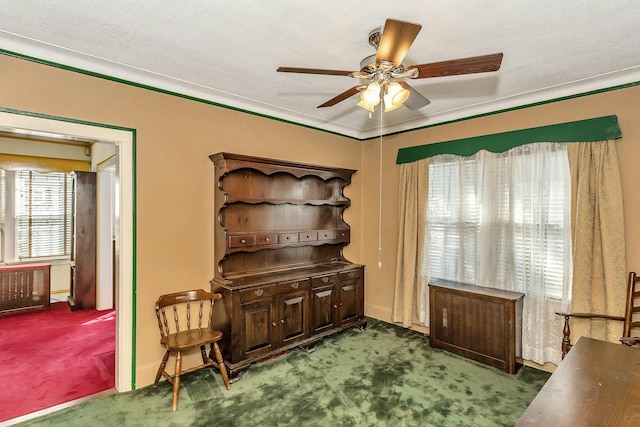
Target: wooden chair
x: 566, y: 330
x: 631, y: 321
x: 178, y: 334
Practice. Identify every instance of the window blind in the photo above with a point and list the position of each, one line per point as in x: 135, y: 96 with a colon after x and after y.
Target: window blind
x: 2, y: 212
x: 498, y: 211
x: 43, y: 214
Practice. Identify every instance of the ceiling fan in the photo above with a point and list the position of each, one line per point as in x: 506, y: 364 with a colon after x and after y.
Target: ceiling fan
x: 387, y: 72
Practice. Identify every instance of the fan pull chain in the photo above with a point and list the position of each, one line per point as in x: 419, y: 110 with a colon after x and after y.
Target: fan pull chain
x: 380, y: 199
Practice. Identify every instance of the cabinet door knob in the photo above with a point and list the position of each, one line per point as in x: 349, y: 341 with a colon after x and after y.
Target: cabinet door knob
x: 282, y: 321
x: 273, y: 324
x: 335, y: 306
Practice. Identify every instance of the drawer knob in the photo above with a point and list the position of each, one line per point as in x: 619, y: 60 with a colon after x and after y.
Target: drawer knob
x: 243, y: 241
x: 259, y: 292
x: 273, y: 324
x: 282, y: 321
x: 325, y: 279
x: 295, y: 285
x: 335, y: 306
x: 266, y: 239
x: 352, y: 274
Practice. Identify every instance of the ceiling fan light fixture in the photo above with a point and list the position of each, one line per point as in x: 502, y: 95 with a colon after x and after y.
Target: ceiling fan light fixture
x: 395, y: 96
x: 392, y: 44
x: 371, y: 95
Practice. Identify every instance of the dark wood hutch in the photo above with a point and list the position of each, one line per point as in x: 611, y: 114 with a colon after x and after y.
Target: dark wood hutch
x: 83, y: 241
x: 279, y: 239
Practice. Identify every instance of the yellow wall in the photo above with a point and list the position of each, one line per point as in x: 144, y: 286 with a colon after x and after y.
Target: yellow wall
x: 175, y: 186
x: 625, y: 103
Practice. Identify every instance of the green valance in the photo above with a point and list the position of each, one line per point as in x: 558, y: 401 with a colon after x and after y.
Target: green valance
x: 590, y: 130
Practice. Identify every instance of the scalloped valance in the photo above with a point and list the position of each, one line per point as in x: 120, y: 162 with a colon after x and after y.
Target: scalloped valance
x: 589, y: 130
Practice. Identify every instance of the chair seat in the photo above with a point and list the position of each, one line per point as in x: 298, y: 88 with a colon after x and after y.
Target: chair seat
x: 191, y: 338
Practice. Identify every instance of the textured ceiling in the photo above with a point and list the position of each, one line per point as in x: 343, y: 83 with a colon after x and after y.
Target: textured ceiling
x: 227, y: 52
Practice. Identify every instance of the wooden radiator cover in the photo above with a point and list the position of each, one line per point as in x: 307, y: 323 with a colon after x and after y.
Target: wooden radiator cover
x: 480, y: 323
x: 24, y: 287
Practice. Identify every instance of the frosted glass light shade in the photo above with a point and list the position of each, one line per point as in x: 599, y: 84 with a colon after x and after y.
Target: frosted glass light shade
x: 396, y: 96
x: 366, y: 106
x: 371, y: 95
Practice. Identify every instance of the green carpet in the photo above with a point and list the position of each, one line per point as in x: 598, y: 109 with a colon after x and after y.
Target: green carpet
x: 382, y: 376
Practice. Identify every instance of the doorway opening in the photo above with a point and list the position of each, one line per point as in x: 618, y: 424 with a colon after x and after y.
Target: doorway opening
x: 122, y: 172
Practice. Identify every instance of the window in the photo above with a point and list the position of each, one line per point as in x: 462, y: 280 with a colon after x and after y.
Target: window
x: 2, y: 210
x: 42, y: 209
x: 501, y: 220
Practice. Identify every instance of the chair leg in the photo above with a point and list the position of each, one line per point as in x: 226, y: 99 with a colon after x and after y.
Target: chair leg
x: 203, y: 351
x: 176, y: 381
x: 566, y: 337
x: 162, y: 367
x: 221, y: 366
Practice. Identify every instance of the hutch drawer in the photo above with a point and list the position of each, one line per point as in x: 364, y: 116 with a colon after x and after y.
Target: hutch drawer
x: 324, y: 280
x: 257, y: 293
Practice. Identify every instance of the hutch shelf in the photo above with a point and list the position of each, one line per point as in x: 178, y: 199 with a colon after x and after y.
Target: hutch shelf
x: 279, y: 240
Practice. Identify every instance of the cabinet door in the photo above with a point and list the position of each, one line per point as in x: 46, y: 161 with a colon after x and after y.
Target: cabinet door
x: 349, y: 306
x: 292, y: 316
x: 323, y: 308
x: 257, y: 326
x: 350, y: 297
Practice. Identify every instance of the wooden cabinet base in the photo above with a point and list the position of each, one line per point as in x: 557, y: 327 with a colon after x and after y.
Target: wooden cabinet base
x: 234, y: 369
x: 264, y: 316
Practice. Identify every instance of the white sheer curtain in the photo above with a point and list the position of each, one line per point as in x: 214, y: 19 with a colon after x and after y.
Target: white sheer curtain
x: 503, y: 220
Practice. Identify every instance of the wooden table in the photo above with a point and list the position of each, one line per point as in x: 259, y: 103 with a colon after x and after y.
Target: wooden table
x: 597, y: 384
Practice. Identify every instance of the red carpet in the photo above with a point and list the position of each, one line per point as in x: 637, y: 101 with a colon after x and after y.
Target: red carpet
x: 54, y: 356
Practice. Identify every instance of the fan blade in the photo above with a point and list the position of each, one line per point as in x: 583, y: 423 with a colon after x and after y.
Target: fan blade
x: 344, y: 95
x: 416, y: 100
x: 475, y: 64
x: 313, y: 71
x: 397, y: 37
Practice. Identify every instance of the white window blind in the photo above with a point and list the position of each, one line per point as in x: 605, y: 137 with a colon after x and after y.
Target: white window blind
x: 2, y: 198
x: 43, y: 214
x: 3, y: 205
x: 493, y: 212
x: 454, y: 218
